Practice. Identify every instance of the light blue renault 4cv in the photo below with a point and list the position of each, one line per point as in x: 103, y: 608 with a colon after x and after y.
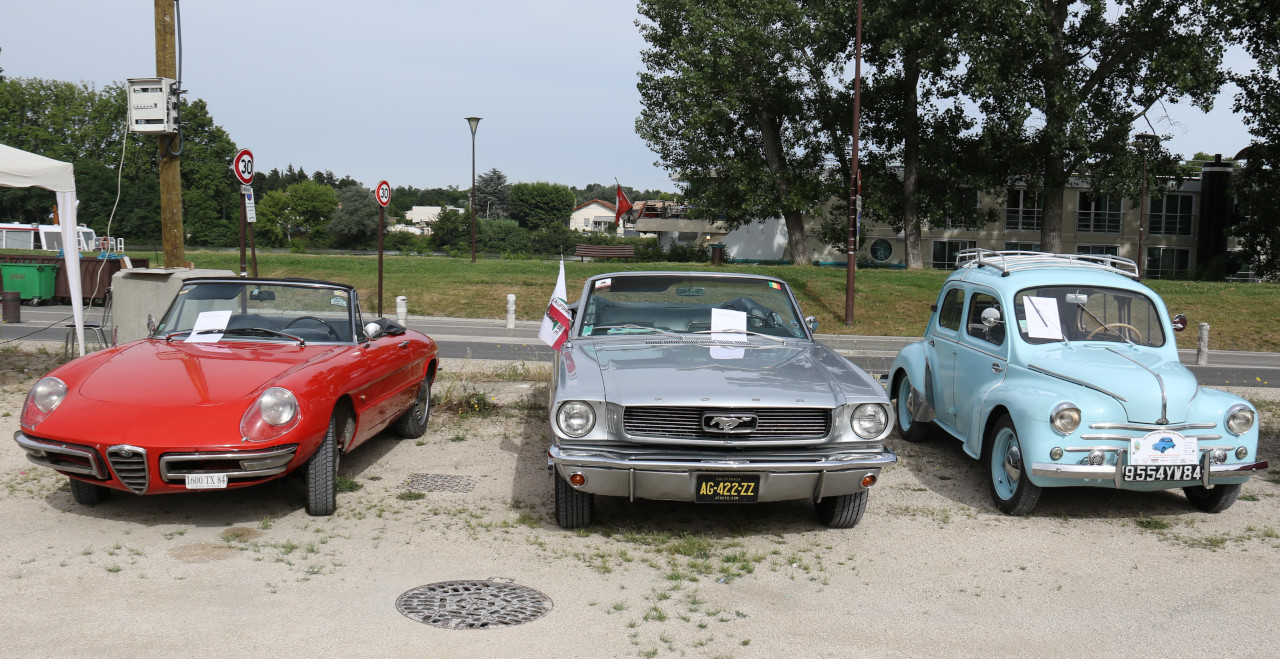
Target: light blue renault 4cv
x: 1061, y: 370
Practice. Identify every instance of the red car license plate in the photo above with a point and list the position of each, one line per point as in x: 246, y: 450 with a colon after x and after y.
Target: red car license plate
x: 727, y: 488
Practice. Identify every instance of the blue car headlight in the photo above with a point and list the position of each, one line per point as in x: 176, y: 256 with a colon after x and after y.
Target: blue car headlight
x: 1239, y: 419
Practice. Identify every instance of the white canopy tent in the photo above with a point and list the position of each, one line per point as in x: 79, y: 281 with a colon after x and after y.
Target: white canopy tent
x: 20, y: 169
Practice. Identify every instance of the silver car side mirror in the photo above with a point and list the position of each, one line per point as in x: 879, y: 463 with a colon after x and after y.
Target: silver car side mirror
x: 372, y: 330
x: 151, y: 324
x: 991, y: 317
x: 812, y: 322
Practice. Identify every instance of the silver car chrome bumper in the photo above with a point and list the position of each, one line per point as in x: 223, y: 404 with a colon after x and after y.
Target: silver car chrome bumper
x: 1115, y: 472
x: 664, y: 475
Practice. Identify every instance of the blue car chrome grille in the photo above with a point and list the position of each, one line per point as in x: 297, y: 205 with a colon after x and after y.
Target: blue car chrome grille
x: 130, y: 465
x: 687, y: 422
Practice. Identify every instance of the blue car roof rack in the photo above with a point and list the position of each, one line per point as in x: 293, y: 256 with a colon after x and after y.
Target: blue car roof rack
x: 1009, y: 261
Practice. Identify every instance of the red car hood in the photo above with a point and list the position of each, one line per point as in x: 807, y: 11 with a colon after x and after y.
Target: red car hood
x: 177, y: 374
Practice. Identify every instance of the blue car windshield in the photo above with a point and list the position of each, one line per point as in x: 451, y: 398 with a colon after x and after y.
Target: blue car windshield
x: 1088, y: 313
x: 662, y: 303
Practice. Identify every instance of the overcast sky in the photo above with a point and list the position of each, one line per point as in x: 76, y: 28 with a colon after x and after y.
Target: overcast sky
x: 379, y: 89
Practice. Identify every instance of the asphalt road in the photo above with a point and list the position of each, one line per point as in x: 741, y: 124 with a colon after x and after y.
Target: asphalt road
x: 478, y: 338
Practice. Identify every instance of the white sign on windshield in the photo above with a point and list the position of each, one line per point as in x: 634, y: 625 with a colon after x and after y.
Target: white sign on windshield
x: 209, y: 320
x: 1042, y: 318
x: 728, y: 326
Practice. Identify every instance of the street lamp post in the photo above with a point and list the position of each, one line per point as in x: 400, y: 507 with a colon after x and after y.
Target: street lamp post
x: 855, y: 178
x: 474, y: 121
x: 1143, y: 142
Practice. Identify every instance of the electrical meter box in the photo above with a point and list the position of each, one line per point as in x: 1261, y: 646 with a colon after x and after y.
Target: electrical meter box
x: 153, y: 106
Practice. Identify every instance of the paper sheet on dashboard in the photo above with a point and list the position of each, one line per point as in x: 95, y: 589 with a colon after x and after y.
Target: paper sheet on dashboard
x: 1042, y: 318
x: 209, y: 320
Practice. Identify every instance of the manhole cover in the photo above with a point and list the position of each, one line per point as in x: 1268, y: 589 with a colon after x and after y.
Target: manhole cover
x: 439, y: 483
x: 473, y: 604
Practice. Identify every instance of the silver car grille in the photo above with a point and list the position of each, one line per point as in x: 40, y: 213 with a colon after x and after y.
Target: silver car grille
x: 130, y: 465
x: 686, y: 423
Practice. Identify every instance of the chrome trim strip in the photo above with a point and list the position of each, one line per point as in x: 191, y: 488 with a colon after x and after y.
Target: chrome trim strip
x: 29, y: 444
x: 1128, y: 437
x: 1149, y: 427
x: 1072, y: 380
x: 1164, y: 393
x: 826, y: 461
x: 1104, y: 472
x: 171, y: 471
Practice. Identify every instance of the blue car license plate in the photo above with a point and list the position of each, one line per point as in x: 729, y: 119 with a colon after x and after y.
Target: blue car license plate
x: 727, y: 488
x: 1149, y: 473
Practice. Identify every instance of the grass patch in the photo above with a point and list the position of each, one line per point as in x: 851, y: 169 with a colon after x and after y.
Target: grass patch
x: 1240, y: 314
x: 411, y: 495
x: 347, y: 484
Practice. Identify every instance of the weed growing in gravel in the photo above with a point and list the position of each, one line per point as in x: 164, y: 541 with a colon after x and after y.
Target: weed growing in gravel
x: 347, y: 484
x: 411, y: 495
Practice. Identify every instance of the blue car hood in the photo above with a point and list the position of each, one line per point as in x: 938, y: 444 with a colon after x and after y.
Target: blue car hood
x: 1144, y: 381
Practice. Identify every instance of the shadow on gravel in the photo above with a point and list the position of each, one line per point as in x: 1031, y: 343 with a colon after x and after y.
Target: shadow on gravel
x: 941, y: 466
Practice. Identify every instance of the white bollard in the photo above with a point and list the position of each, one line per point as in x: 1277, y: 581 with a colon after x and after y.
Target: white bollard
x: 1202, y: 350
x: 402, y: 309
x: 511, y: 311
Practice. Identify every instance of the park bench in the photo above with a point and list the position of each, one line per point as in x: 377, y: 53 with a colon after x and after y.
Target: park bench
x: 605, y: 251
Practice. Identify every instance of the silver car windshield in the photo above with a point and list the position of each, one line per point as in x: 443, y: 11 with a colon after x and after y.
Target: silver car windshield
x: 1088, y: 313
x: 664, y: 304
x: 257, y: 311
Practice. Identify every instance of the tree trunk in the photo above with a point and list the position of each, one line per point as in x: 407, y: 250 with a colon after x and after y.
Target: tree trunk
x: 1055, y: 186
x: 911, y: 158
x: 796, y: 243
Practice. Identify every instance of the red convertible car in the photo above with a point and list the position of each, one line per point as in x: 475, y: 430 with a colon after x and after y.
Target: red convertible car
x: 243, y: 381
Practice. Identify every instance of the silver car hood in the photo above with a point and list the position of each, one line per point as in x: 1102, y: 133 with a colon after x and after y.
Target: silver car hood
x: 762, y: 373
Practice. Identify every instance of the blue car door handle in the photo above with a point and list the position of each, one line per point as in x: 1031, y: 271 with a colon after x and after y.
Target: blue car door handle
x: 996, y: 368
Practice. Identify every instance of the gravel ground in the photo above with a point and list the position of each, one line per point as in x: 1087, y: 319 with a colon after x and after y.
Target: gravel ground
x: 932, y: 570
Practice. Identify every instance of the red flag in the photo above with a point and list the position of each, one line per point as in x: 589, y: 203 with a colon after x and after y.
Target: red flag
x: 624, y: 205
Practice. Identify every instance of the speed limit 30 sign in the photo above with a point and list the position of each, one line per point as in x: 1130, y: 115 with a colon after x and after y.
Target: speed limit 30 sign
x: 383, y: 193
x: 242, y: 165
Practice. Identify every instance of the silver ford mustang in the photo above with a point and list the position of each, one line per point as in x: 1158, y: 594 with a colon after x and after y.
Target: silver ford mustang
x: 707, y: 387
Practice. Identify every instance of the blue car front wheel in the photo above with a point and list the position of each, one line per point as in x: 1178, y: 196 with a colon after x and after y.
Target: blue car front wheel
x: 910, y: 429
x: 1011, y: 491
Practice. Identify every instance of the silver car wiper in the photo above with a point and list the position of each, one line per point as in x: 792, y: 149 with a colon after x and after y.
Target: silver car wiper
x: 778, y: 339
x: 637, y: 328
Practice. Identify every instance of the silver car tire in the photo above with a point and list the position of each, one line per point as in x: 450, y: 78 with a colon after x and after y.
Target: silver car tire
x: 842, y: 512
x: 574, y: 508
x: 413, y: 423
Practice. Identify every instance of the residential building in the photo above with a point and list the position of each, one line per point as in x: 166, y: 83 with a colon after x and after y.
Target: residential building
x: 423, y: 216
x: 595, y: 216
x: 1184, y: 228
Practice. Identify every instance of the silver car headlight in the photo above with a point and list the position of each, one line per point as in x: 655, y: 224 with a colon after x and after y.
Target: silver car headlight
x: 1065, y: 418
x: 869, y: 420
x: 1239, y: 419
x: 576, y: 418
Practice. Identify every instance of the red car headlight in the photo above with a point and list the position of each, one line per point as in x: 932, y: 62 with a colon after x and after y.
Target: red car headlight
x: 44, y: 397
x: 273, y: 414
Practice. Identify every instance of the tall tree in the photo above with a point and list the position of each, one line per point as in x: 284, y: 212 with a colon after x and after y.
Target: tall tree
x: 1258, y: 186
x: 1061, y: 84
x: 541, y: 205
x: 739, y: 102
x: 914, y: 117
x: 303, y: 208
x: 492, y: 193
x: 355, y: 222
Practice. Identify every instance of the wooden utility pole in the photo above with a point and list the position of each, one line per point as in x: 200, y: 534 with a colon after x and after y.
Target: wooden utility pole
x: 170, y: 169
